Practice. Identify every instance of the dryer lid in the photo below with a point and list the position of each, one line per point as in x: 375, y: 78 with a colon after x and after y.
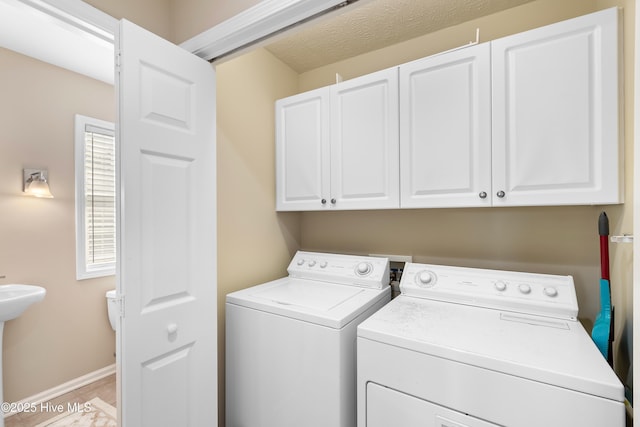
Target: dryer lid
x: 543, y: 349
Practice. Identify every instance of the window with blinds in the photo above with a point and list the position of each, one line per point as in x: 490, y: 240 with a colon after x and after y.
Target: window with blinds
x: 95, y: 198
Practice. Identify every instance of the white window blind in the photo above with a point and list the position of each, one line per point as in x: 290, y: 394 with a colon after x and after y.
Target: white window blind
x: 95, y: 198
x: 100, y: 196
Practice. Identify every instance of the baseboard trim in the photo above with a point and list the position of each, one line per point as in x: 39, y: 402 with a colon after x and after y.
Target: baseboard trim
x: 61, y: 389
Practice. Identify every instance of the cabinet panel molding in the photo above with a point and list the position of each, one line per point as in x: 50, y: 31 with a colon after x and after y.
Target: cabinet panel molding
x: 445, y: 132
x: 302, y: 150
x: 556, y: 108
x: 364, y: 142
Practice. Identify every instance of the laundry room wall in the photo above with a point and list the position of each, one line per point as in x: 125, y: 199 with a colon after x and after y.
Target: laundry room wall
x: 153, y: 15
x: 556, y: 240
x: 255, y: 244
x: 192, y: 17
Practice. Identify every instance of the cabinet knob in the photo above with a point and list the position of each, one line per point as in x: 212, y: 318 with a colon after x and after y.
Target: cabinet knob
x: 483, y: 195
x: 500, y: 194
x: 333, y: 201
x: 323, y: 201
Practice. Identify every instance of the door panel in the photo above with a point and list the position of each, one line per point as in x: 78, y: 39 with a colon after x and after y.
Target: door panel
x: 302, y: 151
x: 167, y: 243
x: 364, y: 142
x: 445, y: 129
x: 556, y: 135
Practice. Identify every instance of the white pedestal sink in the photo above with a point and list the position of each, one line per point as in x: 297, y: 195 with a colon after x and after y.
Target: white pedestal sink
x: 14, y: 299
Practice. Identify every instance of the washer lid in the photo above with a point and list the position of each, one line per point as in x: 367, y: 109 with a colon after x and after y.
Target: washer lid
x: 323, y: 303
x: 543, y: 349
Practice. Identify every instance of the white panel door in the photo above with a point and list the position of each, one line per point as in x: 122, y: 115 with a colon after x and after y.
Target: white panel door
x: 445, y: 130
x: 167, y: 364
x: 555, y: 114
x: 364, y: 142
x: 302, y: 151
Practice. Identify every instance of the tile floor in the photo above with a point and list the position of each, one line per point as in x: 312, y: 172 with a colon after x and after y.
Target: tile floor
x: 104, y: 388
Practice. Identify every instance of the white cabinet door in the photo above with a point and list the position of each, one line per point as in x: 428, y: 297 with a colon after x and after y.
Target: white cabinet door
x: 445, y: 129
x: 555, y: 114
x: 364, y: 142
x: 302, y: 151
x: 167, y: 338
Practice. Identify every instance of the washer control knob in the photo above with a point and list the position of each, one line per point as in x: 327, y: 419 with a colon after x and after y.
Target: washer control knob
x: 300, y: 261
x: 426, y: 279
x: 524, y: 288
x: 363, y: 268
x: 312, y: 263
x: 323, y: 264
x: 550, y: 292
x: 500, y: 285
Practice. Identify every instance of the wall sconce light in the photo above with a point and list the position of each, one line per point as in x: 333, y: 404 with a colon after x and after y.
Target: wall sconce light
x: 35, y: 183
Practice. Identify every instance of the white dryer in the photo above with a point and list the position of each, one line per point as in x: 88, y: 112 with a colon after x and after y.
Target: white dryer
x: 464, y: 347
x: 290, y: 343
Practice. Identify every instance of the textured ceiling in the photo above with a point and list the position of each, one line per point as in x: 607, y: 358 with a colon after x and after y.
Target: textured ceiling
x: 368, y: 25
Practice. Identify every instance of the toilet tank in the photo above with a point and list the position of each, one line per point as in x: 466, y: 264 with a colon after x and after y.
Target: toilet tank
x: 112, y: 307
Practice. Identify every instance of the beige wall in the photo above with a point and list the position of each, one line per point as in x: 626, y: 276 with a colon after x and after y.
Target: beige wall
x: 192, y: 17
x: 561, y: 240
x: 154, y: 15
x: 174, y: 20
x: 68, y: 334
x: 254, y: 243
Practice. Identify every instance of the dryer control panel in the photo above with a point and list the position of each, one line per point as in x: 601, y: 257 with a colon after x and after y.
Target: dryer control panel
x: 530, y: 293
x: 364, y: 271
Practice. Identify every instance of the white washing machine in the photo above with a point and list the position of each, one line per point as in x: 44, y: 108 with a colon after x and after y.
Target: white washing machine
x: 290, y: 343
x: 464, y: 347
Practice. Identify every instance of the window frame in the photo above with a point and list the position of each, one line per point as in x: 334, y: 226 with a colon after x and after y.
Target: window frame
x: 83, y: 269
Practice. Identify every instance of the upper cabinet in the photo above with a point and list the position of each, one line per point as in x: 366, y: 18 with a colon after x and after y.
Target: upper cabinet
x: 556, y: 111
x: 302, y: 150
x: 529, y: 119
x: 337, y: 147
x: 445, y: 129
x: 364, y: 142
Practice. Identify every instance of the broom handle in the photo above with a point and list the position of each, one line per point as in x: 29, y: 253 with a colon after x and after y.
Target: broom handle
x: 603, y: 231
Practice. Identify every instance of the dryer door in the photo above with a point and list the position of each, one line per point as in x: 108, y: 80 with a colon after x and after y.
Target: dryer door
x: 387, y: 407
